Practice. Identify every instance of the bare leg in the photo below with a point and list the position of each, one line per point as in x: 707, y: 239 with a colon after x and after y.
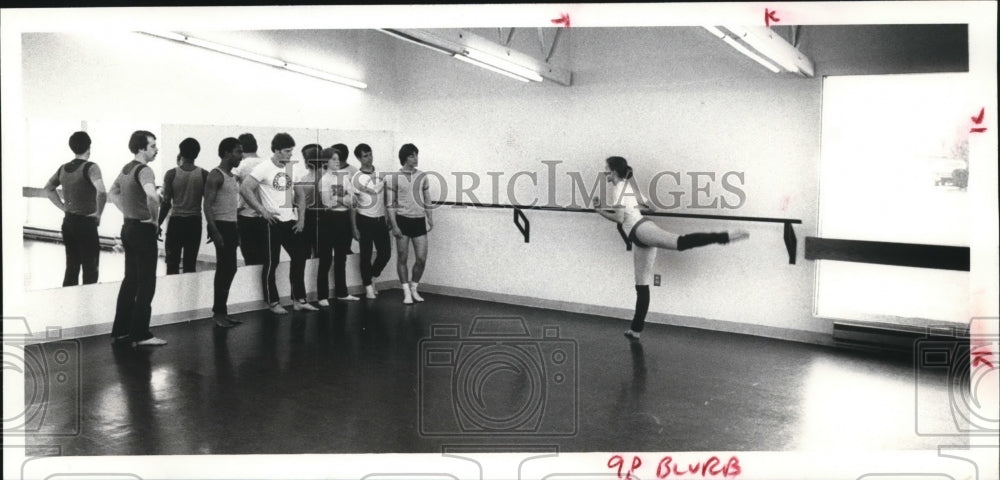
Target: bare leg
x: 654, y: 236
x: 643, y: 258
x: 402, y: 254
x: 420, y: 249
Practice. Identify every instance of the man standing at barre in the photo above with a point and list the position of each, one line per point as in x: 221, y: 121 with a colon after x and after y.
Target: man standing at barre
x: 406, y: 205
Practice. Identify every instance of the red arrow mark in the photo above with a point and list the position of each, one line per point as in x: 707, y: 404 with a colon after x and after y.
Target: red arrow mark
x: 563, y: 19
x: 769, y: 17
x: 977, y: 120
x: 979, y: 357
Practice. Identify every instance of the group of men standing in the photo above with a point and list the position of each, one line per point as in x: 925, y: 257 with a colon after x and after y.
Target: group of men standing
x: 251, y: 203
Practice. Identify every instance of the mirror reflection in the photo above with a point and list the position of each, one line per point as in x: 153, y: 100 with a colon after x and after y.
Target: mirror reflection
x: 72, y: 229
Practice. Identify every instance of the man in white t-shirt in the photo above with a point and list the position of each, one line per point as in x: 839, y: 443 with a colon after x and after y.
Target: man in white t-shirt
x: 369, y: 186
x: 268, y: 190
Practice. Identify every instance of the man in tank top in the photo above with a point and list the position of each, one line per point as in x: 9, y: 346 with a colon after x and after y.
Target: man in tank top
x: 222, y: 197
x: 83, y: 199
x: 406, y: 203
x: 183, y: 188
x: 134, y: 193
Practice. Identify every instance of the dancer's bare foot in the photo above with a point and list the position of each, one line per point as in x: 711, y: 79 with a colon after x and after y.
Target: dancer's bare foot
x: 738, y: 234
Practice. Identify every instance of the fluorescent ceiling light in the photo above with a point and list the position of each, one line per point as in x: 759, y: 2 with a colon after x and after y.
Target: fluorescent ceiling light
x: 465, y: 46
x: 325, y: 76
x: 168, y: 35
x: 765, y: 49
x: 490, y: 67
x: 253, y: 57
x: 715, y: 31
x: 742, y: 49
x: 257, y: 58
x: 746, y: 51
x: 502, y: 64
x: 414, y: 41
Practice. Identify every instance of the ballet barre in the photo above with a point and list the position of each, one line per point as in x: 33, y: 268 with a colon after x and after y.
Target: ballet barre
x: 524, y: 226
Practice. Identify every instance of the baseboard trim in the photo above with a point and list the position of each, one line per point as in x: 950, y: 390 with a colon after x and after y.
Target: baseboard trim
x: 190, y: 315
x: 801, y: 336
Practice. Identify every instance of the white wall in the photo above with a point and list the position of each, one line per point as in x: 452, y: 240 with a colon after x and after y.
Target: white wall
x: 658, y: 117
x: 127, y: 76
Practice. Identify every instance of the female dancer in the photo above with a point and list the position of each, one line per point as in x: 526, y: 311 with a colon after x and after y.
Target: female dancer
x: 645, y: 235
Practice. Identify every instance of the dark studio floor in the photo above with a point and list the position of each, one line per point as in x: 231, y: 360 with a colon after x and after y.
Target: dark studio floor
x: 358, y: 378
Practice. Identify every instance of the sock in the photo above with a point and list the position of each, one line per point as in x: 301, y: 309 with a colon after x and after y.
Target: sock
x: 406, y: 291
x: 641, y: 307
x: 693, y: 240
x: 413, y: 285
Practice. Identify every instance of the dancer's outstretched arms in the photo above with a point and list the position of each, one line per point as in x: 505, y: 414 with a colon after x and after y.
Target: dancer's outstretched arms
x: 610, y: 213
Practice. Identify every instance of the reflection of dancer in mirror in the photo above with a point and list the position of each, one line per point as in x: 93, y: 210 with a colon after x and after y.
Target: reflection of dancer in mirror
x: 222, y: 198
x: 410, y: 219
x: 252, y: 227
x: 646, y: 236
x: 83, y: 199
x: 183, y: 190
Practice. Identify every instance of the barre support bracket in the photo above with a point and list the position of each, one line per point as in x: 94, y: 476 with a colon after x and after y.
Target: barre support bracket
x: 790, y: 242
x: 628, y: 243
x: 525, y: 228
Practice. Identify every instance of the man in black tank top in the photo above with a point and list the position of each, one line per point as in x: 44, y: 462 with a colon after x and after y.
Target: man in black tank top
x: 222, y: 198
x: 83, y: 199
x: 134, y: 193
x: 183, y: 188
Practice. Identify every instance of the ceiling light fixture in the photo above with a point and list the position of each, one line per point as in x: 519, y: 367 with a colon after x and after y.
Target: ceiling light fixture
x: 766, y: 48
x: 257, y: 58
x: 489, y: 67
x: 470, y: 48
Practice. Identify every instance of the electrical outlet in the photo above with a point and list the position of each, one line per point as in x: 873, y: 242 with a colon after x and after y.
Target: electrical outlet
x: 656, y: 280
